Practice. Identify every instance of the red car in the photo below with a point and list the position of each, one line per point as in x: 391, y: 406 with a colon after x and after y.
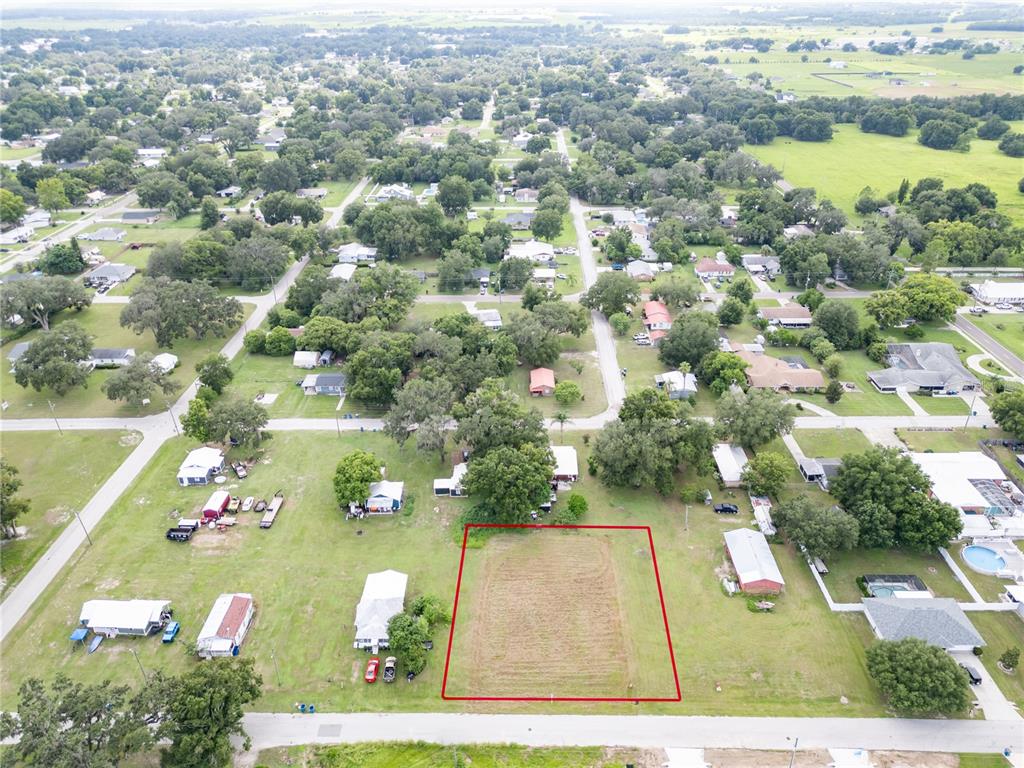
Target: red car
x: 371, y: 669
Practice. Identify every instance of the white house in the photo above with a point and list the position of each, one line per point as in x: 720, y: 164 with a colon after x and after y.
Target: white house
x: 105, y: 234
x: 731, y: 460
x: 544, y: 277
x: 95, y: 197
x: 151, y: 153
x: 199, y: 466
x: 226, y: 626
x: 676, y: 384
x: 394, y: 192
x: 567, y: 465
x: 520, y: 140
x: 641, y: 271
x: 231, y: 191
x: 356, y: 253
x: 990, y: 292
x: 451, y: 486
x: 489, y: 318
x: 124, y: 617
x: 383, y: 597
x: 385, y: 497
x: 533, y: 250
x: 111, y: 357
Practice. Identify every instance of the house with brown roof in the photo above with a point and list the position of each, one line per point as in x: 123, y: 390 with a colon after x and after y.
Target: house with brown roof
x: 767, y: 372
x: 710, y: 269
x: 789, y: 316
x: 542, y: 382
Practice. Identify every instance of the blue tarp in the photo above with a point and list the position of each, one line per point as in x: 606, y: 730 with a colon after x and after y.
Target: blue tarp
x: 79, y: 635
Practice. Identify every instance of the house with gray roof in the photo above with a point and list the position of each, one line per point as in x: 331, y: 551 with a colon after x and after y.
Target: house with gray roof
x: 938, y: 621
x: 926, y: 367
x: 520, y: 220
x: 139, y: 216
x: 324, y: 384
x: 111, y: 357
x: 756, y: 264
x: 109, y: 274
x: 106, y: 234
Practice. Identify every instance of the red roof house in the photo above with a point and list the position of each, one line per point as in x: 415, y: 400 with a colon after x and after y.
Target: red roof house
x: 656, y: 316
x: 542, y: 382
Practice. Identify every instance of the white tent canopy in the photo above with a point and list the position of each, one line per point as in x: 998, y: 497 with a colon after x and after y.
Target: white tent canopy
x: 383, y: 597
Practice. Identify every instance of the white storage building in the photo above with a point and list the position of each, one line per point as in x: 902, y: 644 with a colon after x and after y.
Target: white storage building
x: 124, y: 617
x: 199, y: 466
x: 731, y: 461
x: 226, y: 626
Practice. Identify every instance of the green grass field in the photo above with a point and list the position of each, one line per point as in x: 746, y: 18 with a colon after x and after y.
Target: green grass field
x: 308, y: 571
x: 101, y: 320
x: 423, y: 755
x: 840, y: 168
x: 1002, y: 631
x: 830, y: 443
x: 845, y: 567
x: 59, y: 474
x: 1008, y: 330
x: 947, y: 441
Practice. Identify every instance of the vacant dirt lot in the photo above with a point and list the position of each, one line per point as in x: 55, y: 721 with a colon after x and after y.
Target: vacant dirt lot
x: 551, y: 613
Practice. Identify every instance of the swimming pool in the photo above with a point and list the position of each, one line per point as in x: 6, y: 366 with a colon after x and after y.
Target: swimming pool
x: 983, y: 559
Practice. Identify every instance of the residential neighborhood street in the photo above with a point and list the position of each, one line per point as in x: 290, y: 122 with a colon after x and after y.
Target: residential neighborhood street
x: 779, y: 733
x: 990, y: 345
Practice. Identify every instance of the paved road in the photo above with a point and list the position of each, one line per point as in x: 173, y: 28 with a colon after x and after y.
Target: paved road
x: 614, y: 388
x: 651, y: 731
x: 485, y: 120
x: 35, y: 250
x: 156, y: 430
x: 990, y: 345
x: 351, y: 197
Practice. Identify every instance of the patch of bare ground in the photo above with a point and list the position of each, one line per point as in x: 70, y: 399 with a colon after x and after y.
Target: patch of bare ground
x: 748, y: 758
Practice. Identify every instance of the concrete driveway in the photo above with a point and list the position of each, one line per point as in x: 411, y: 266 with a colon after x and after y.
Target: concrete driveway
x: 991, y: 700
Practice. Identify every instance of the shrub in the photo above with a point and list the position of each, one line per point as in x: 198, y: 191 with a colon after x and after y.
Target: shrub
x: 1010, y: 658
x: 878, y: 352
x: 255, y: 342
x: 834, y: 392
x: 914, y: 332
x: 279, y: 342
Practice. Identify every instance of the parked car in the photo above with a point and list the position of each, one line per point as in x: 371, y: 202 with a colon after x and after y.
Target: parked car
x: 371, y: 669
x: 726, y: 509
x: 972, y: 674
x: 248, y: 503
x: 977, y: 310
x: 240, y: 470
x: 135, y: 246
x: 562, y: 276
x: 171, y: 632
x: 618, y: 266
x: 389, y: 669
x: 1004, y: 305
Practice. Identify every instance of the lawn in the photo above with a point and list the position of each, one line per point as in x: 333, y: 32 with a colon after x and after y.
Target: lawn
x: 59, y: 474
x: 336, y: 192
x: 560, y: 613
x: 308, y: 572
x: 19, y: 153
x: 868, y: 401
x: 101, y: 320
x: 263, y: 374
x: 830, y: 443
x: 1008, y: 330
x: 943, y: 406
x: 840, y: 168
x: 423, y: 755
x: 1002, y: 631
x: 947, y: 441
x: 845, y: 567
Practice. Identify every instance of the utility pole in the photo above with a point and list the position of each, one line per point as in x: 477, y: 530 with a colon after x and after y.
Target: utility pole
x: 84, y: 529
x: 141, y: 669
x: 792, y: 755
x: 54, y: 415
x: 174, y: 421
x: 686, y: 524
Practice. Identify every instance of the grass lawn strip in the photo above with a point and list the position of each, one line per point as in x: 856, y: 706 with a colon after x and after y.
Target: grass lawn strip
x: 59, y: 474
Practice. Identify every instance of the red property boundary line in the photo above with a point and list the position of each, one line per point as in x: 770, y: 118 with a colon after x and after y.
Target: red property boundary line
x: 661, y: 599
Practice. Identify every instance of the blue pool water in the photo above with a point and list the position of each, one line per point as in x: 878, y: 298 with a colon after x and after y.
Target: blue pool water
x: 984, y: 559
